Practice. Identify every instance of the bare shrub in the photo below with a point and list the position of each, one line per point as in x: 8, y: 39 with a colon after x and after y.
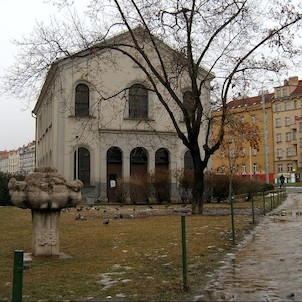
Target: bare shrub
x: 161, y: 182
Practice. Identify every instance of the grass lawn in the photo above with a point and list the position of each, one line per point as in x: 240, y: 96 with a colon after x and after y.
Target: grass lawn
x: 137, y: 258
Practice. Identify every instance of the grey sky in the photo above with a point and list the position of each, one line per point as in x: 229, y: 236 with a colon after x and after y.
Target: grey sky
x: 17, y: 18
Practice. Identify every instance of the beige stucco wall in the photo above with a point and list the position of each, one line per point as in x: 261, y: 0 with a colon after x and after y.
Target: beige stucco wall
x: 60, y: 132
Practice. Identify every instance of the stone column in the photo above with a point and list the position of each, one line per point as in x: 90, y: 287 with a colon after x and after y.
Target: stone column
x: 45, y: 241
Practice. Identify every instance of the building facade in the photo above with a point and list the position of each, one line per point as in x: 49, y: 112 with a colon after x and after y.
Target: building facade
x: 27, y: 158
x: 256, y: 162
x: 287, y: 125
x: 19, y: 161
x: 279, y: 118
x: 97, y: 119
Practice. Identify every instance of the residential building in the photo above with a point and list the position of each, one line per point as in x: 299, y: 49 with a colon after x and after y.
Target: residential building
x: 4, y: 161
x: 97, y: 119
x: 283, y: 130
x: 14, y: 161
x: 27, y: 158
x: 287, y: 125
x: 252, y: 161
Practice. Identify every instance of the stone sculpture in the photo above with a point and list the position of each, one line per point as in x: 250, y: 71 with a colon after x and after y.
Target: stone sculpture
x: 45, y: 192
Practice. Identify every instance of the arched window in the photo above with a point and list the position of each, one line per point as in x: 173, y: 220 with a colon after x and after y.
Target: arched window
x: 189, y: 102
x: 188, y: 161
x: 138, y: 101
x: 139, y: 156
x: 162, y: 157
x: 114, y: 155
x: 82, y: 100
x: 82, y: 165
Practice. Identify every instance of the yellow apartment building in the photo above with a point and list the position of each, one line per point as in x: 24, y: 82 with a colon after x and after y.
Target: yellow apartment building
x: 279, y: 120
x: 287, y: 125
x: 252, y: 162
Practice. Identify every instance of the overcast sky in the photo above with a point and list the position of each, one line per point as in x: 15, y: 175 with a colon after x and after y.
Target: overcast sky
x: 17, y: 18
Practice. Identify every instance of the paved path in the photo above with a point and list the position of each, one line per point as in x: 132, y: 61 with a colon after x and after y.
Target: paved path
x: 268, y: 266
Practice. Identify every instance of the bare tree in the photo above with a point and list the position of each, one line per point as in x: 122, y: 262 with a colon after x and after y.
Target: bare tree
x: 232, y: 39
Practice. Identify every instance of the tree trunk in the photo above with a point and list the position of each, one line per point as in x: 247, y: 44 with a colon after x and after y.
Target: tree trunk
x: 197, y: 191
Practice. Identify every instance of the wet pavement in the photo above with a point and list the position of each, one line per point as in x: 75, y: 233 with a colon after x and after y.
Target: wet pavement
x: 267, y: 266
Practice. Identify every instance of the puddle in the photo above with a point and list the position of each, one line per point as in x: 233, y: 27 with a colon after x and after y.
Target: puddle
x: 268, y: 267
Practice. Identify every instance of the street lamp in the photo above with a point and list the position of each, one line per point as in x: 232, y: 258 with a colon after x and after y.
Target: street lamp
x: 265, y: 138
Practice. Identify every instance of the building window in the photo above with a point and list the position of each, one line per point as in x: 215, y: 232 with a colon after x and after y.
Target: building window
x: 243, y: 152
x: 162, y: 157
x: 254, y: 152
x: 255, y: 168
x: 138, y: 101
x: 279, y: 153
x: 287, y: 105
x: 289, y: 167
x: 288, y: 136
x: 82, y: 100
x: 278, y: 122
x: 189, y: 103
x: 294, y: 134
x: 277, y: 107
x: 188, y: 161
x: 278, y: 137
x: 253, y: 119
x: 285, y: 92
x: 287, y: 121
x: 289, y: 152
x: 243, y: 168
x: 114, y: 155
x: 280, y: 168
x: 82, y: 165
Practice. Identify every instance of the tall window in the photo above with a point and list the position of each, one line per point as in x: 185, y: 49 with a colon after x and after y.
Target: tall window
x: 162, y: 157
x: 82, y: 165
x: 278, y: 122
x: 255, y: 167
x: 82, y: 100
x: 188, y: 161
x: 287, y: 121
x: 288, y: 136
x: 189, y: 103
x: 289, y: 167
x: 280, y: 168
x: 138, y: 101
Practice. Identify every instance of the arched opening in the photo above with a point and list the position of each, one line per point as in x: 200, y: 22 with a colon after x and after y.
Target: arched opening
x: 82, y: 100
x: 162, y: 179
x: 188, y: 161
x: 82, y: 165
x: 139, y: 186
x: 114, y: 174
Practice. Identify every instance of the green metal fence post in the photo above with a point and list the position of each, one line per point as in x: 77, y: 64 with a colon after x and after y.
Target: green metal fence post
x: 18, y: 276
x: 263, y: 201
x: 184, y: 251
x: 232, y: 219
x: 253, y: 210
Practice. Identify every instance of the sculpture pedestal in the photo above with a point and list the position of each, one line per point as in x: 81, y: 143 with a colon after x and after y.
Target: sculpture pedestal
x: 45, y: 241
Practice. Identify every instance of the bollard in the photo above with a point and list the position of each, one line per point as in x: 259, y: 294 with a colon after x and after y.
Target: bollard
x: 263, y: 201
x: 184, y: 252
x: 18, y: 276
x: 233, y: 219
x: 253, y: 209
